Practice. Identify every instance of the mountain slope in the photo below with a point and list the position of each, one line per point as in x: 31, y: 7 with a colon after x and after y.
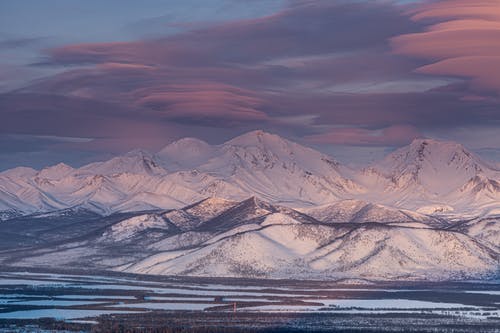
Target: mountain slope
x: 184, y: 172
x: 357, y: 211
x: 253, y: 238
x: 262, y: 164
x: 431, y: 174
x: 186, y: 153
x: 264, y: 242
x: 428, y: 176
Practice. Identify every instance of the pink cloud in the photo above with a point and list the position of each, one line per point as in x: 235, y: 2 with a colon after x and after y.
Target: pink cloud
x: 202, y: 101
x: 390, y: 136
x: 479, y: 68
x: 231, y: 73
x: 117, y: 66
x: 463, y: 42
x: 485, y: 9
x: 274, y: 72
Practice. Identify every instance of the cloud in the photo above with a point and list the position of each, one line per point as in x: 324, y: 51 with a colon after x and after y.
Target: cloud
x: 312, y: 28
x: 15, y: 143
x: 376, y: 73
x: 13, y: 43
x: 234, y: 73
x: 221, y: 104
x: 462, y: 41
x: 396, y: 135
x: 479, y: 68
x: 69, y: 116
x: 429, y: 109
x: 329, y: 60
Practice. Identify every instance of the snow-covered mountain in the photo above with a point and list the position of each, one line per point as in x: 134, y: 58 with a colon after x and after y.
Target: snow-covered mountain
x: 261, y: 164
x: 253, y: 238
x: 134, y: 162
x: 260, y: 206
x: 357, y: 211
x: 183, y: 172
x: 438, y: 167
x: 433, y: 176
x: 185, y: 154
x: 281, y: 248
x: 425, y: 177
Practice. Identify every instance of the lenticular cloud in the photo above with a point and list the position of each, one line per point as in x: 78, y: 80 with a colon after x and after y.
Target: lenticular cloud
x: 461, y: 41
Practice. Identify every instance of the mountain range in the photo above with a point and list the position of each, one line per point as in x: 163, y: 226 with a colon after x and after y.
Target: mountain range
x: 260, y: 206
x: 252, y: 238
x: 427, y: 176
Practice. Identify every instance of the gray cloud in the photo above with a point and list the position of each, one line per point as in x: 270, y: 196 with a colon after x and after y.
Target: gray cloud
x: 328, y: 63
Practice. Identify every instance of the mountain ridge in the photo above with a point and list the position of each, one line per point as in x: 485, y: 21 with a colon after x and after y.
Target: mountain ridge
x: 431, y: 176
x: 256, y: 239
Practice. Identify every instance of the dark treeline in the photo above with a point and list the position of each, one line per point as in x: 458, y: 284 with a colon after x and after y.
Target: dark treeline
x: 121, y: 329
x: 253, y: 323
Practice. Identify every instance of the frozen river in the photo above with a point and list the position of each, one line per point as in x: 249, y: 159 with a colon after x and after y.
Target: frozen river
x: 25, y: 295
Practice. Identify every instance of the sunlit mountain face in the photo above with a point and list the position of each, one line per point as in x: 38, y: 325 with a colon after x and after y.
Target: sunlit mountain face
x: 301, y: 147
x: 427, y: 176
x: 424, y: 205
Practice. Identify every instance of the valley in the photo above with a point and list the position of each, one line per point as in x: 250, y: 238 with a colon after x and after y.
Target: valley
x: 261, y: 228
x: 77, y: 301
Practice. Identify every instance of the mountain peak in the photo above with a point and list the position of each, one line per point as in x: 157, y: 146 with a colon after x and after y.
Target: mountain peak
x: 211, y: 202
x: 434, y: 144
x: 273, y: 145
x: 437, y: 165
x: 256, y: 138
x: 432, y: 151
x: 19, y: 172
x: 136, y: 162
x: 55, y: 172
x: 256, y: 203
x: 140, y: 153
x: 184, y: 143
x: 185, y: 153
x: 59, y: 166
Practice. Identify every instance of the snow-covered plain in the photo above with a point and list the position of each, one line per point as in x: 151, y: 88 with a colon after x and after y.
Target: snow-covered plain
x: 96, y: 299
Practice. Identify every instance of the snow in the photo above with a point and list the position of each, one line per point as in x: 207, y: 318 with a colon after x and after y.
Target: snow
x: 55, y: 172
x: 278, y: 218
x: 167, y: 306
x: 93, y: 297
x: 227, y: 210
x: 56, y: 313
x: 435, y: 209
x: 41, y: 283
x: 426, y: 161
x: 318, y: 251
x: 191, y: 296
x: 369, y: 304
x: 170, y: 299
x: 51, y: 302
x: 130, y: 227
x: 186, y: 153
x: 240, y: 299
x: 391, y: 304
x: 261, y: 164
x: 135, y: 162
x: 485, y: 292
x: 433, y: 177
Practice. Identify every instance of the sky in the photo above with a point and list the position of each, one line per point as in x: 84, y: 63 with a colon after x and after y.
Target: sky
x: 82, y: 81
